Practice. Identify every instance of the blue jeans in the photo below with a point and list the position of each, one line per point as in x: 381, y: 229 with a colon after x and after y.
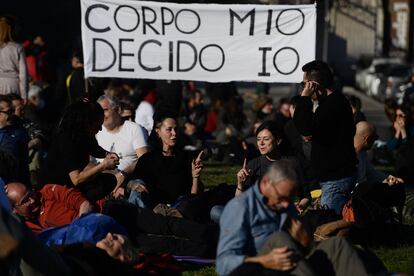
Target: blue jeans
x: 215, y: 213
x: 139, y: 199
x: 336, y: 193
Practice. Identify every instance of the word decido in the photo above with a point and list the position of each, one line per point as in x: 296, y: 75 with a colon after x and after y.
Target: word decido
x: 175, y: 51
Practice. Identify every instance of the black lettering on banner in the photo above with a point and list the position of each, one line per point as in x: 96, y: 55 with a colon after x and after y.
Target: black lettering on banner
x: 179, y: 42
x: 269, y: 21
x: 297, y: 60
x: 201, y: 60
x: 87, y: 14
x: 146, y: 68
x: 116, y: 18
x: 264, y: 73
x: 291, y: 33
x: 191, y: 11
x: 170, y: 56
x: 145, y: 22
x: 250, y: 14
x: 163, y: 22
x: 94, y: 69
x: 121, y: 54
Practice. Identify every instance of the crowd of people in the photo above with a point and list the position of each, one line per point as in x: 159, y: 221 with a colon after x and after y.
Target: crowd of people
x: 109, y: 173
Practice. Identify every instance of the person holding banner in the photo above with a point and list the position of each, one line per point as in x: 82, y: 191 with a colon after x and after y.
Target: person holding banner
x: 332, y: 129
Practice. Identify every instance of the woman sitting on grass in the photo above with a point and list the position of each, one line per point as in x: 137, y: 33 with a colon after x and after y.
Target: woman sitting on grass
x: 167, y: 171
x: 268, y: 140
x: 68, y: 161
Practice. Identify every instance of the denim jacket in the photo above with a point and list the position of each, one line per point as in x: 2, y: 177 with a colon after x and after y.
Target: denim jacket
x: 245, y: 225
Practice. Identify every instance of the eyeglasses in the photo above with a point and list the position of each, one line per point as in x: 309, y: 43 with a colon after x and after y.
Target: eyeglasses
x: 401, y: 115
x: 26, y: 200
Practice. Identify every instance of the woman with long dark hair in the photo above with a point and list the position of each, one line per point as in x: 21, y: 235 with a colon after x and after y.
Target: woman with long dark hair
x: 68, y: 161
x: 167, y: 170
x: 403, y: 128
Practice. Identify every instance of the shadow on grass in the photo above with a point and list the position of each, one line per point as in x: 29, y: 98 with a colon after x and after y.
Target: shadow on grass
x: 399, y: 257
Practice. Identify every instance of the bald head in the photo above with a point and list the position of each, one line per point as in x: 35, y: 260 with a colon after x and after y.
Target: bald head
x: 15, y: 191
x: 365, y: 136
x: 22, y: 200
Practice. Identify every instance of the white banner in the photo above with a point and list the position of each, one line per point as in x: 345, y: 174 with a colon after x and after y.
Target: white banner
x: 202, y: 42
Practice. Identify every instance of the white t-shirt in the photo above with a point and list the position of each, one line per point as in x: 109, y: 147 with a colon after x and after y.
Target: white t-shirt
x: 143, y: 116
x: 130, y: 137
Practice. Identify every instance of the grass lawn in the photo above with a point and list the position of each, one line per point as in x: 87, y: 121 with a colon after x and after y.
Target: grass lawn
x: 396, y: 259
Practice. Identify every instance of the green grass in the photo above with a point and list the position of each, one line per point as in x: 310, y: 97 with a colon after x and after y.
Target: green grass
x: 396, y: 258
x: 216, y: 173
x: 205, y: 271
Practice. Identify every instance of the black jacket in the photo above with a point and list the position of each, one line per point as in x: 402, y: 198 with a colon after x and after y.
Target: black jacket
x: 332, y: 128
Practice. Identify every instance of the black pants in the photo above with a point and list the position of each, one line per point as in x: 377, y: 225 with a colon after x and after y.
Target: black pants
x: 158, y: 234
x: 98, y: 187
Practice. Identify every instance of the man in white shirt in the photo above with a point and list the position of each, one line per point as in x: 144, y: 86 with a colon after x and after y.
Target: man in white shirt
x: 125, y: 138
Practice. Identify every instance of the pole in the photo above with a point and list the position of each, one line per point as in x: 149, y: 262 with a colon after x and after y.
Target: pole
x: 325, y: 31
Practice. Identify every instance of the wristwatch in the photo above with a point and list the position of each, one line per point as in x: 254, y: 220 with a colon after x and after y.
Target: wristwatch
x: 124, y: 174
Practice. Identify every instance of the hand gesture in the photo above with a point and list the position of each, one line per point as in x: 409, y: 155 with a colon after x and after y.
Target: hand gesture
x: 280, y: 259
x: 299, y: 233
x: 392, y: 180
x: 311, y: 87
x: 243, y: 174
x: 396, y: 126
x: 197, y: 165
x: 118, y: 192
x: 140, y: 188
x: 111, y: 161
x: 302, y: 205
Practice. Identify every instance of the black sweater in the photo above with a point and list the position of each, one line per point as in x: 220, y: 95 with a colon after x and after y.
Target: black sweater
x: 332, y: 128
x: 166, y: 177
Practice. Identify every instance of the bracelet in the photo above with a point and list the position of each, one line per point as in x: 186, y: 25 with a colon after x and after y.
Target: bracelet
x: 124, y: 173
x: 240, y: 189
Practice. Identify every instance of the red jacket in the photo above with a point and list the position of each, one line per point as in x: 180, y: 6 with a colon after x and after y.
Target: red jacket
x: 59, y: 206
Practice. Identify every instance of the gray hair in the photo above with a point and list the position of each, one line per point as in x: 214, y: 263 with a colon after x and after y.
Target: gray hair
x: 281, y: 170
x: 113, y: 102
